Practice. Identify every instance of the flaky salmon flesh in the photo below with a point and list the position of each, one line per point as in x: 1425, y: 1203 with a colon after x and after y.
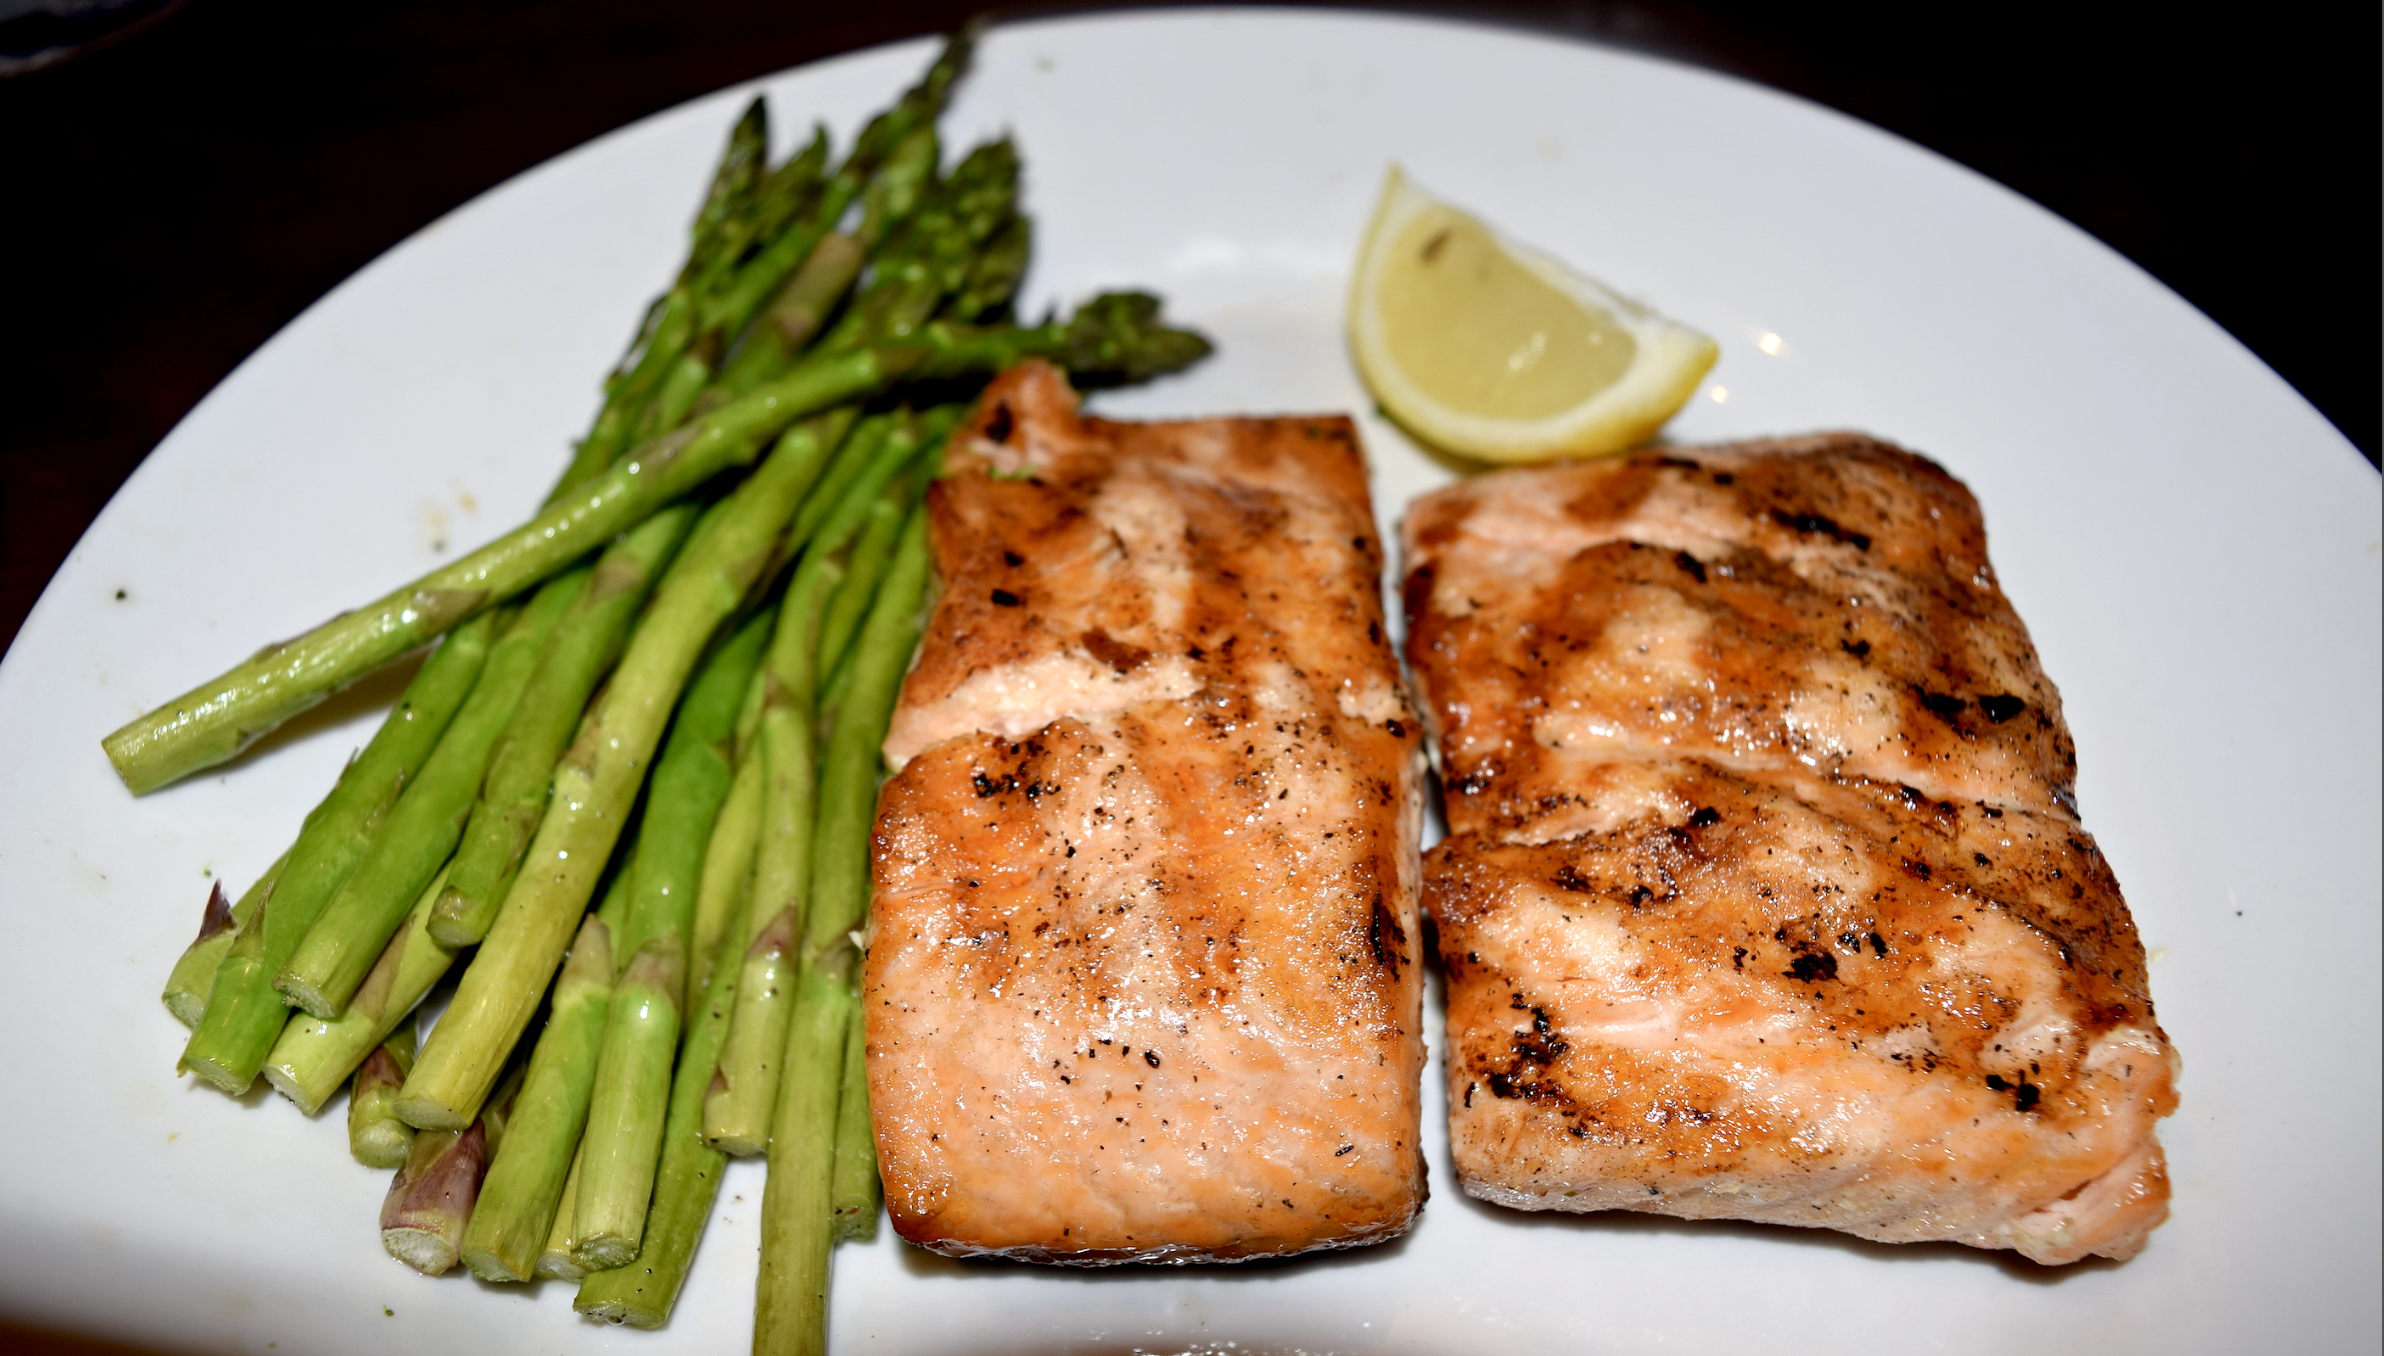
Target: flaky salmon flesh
x: 1766, y: 896
x: 1144, y: 973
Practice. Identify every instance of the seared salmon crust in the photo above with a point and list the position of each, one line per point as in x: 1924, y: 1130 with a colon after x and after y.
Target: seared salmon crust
x: 1766, y: 897
x: 1143, y: 981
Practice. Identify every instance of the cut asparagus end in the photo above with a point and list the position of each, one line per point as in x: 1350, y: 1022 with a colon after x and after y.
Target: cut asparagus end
x: 737, y: 1107
x: 554, y: 1260
x: 376, y: 1137
x: 526, y: 1180
x: 194, y: 971
x: 632, y: 1094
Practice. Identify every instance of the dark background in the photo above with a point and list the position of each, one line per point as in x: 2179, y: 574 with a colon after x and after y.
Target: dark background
x: 177, y: 196
x: 181, y: 194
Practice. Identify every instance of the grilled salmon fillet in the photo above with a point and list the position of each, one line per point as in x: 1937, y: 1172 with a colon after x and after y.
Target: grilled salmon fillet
x: 1143, y: 979
x: 1766, y: 896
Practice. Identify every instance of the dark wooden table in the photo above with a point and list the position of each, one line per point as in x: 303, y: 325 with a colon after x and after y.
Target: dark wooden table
x: 178, y: 196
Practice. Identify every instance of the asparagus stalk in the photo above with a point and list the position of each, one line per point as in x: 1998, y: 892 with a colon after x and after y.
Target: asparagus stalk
x: 687, y: 1181
x: 737, y: 1108
x: 194, y: 972
x: 790, y: 1312
x: 854, y: 1192
x: 312, y: 1056
x: 513, y: 794
x: 740, y: 169
x: 633, y: 1076
x: 1112, y: 338
x: 516, y: 1207
x: 713, y: 246
x: 422, y: 1218
x: 376, y: 1137
x: 597, y: 781
x: 795, y: 316
x: 555, y: 1262
x: 421, y: 832
x: 933, y: 255
x: 728, y: 872
x: 864, y: 567
x: 993, y: 279
x: 244, y: 1013
x: 798, y: 1204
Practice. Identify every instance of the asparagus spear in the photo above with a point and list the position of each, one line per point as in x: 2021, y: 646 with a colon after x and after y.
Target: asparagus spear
x: 687, y: 1180
x: 854, y: 1192
x: 597, y: 781
x: 933, y: 254
x: 376, y: 1137
x: 516, y: 1207
x: 555, y: 1262
x: 514, y: 792
x: 633, y: 1076
x: 795, y: 316
x: 741, y: 165
x: 194, y: 972
x: 790, y: 1312
x: 422, y: 1218
x: 313, y: 1056
x: 728, y: 872
x: 864, y: 567
x: 243, y: 1013
x: 421, y: 832
x: 737, y: 1108
x: 798, y: 1207
x: 1111, y: 338
x: 713, y: 245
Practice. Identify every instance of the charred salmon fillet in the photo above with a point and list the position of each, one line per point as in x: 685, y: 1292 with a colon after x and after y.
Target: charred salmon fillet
x: 1144, y: 974
x: 1766, y: 896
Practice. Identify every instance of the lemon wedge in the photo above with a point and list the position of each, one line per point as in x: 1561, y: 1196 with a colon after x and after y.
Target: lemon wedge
x: 1495, y: 350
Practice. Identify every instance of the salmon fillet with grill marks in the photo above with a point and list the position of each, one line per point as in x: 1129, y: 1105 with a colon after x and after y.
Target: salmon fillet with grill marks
x: 1143, y: 980
x: 1766, y: 897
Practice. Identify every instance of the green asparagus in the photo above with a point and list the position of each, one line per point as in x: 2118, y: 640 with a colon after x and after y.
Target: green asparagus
x: 798, y: 1204
x: 516, y: 1207
x: 421, y: 831
x: 633, y: 1077
x: 513, y: 795
x: 312, y: 1057
x: 244, y: 1014
x: 597, y: 781
x: 376, y: 1137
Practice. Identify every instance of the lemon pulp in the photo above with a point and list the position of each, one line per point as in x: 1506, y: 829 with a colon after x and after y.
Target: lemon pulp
x: 1490, y: 349
x: 1478, y: 332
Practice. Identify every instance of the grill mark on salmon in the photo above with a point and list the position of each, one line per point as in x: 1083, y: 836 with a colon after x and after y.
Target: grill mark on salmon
x: 1144, y: 980
x: 1766, y: 897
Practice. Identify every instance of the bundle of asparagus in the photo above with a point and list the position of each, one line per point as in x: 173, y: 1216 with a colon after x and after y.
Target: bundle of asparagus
x: 665, y: 692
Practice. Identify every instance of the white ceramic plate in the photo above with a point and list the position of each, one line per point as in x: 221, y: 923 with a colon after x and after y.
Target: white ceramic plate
x: 2195, y: 550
